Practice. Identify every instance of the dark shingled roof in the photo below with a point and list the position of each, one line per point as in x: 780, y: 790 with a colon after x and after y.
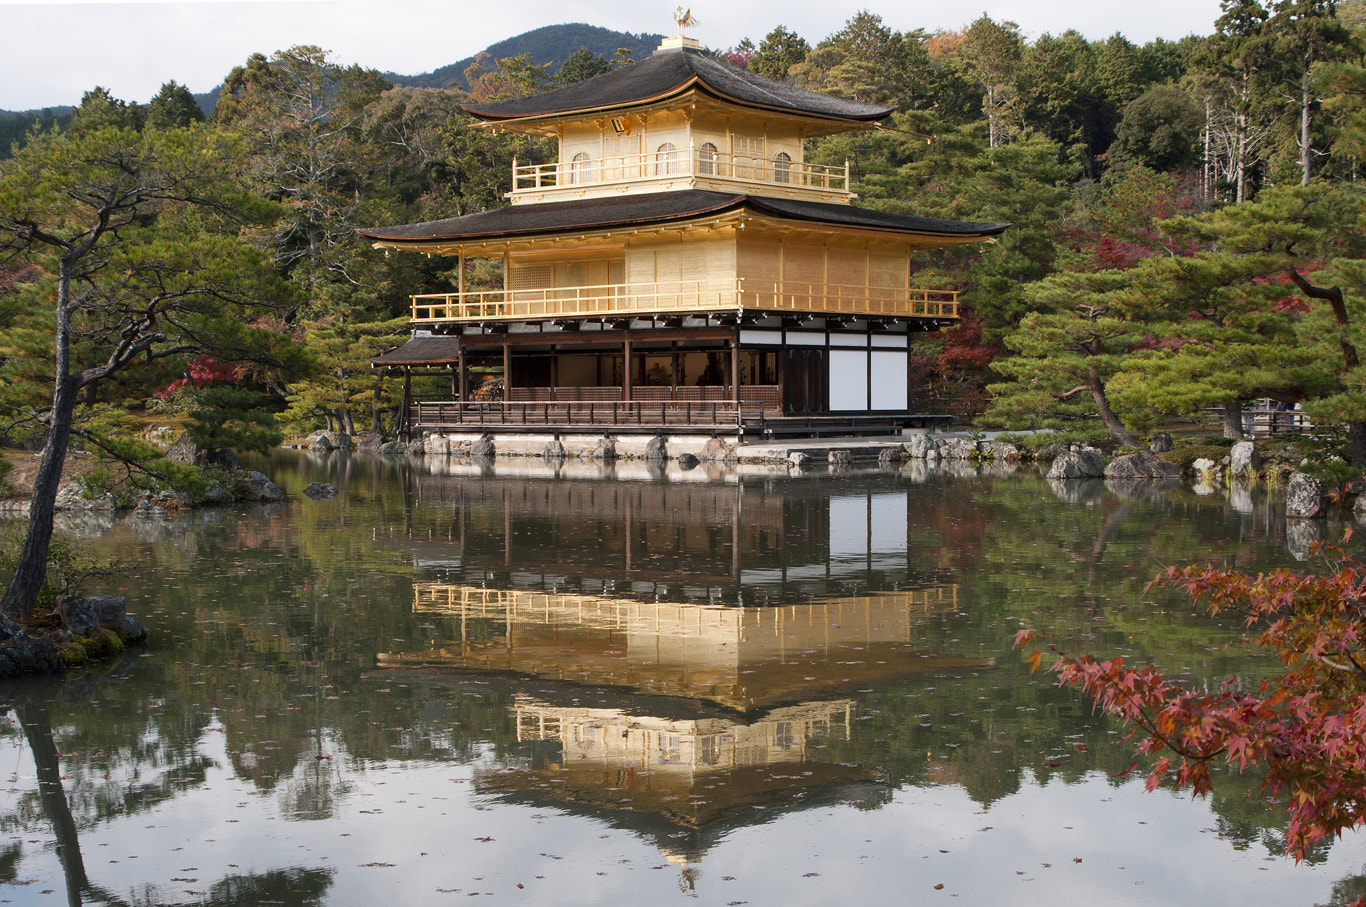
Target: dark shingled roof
x: 670, y: 73
x: 422, y: 350
x: 659, y: 208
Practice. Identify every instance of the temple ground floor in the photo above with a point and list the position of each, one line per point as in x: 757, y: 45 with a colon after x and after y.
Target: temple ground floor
x: 693, y: 376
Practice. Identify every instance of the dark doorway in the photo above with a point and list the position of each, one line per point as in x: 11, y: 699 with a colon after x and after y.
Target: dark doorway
x: 805, y: 382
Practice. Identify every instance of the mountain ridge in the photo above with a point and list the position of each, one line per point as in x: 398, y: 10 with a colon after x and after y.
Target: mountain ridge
x: 547, y: 44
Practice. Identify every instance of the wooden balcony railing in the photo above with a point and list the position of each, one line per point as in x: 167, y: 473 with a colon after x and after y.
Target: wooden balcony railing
x: 779, y: 172
x: 685, y: 297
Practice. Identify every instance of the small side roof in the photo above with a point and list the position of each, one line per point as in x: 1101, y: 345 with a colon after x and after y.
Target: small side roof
x: 421, y: 351
x: 672, y: 72
x: 660, y: 208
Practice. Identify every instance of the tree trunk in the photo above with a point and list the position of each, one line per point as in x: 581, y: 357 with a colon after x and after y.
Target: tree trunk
x: 376, y: 425
x: 347, y: 422
x: 1233, y: 420
x: 1305, y: 101
x: 1239, y: 194
x: 31, y: 570
x: 1107, y: 415
x: 1356, y: 434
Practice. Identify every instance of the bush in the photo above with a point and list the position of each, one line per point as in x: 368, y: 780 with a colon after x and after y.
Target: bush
x: 1186, y: 455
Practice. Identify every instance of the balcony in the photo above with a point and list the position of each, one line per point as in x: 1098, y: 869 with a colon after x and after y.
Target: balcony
x: 661, y: 171
x: 685, y: 297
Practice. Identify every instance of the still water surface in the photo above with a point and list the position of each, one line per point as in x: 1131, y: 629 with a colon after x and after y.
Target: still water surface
x: 606, y: 684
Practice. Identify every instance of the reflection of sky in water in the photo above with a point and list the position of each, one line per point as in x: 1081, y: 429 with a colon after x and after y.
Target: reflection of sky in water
x: 407, y: 832
x: 867, y: 531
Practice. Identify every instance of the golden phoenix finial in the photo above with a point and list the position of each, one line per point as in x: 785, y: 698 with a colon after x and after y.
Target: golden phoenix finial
x: 684, y: 18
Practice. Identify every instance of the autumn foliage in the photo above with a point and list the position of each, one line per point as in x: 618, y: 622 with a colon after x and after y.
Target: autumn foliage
x: 1305, y: 727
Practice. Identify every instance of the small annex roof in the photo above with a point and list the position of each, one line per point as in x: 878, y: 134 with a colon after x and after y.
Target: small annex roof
x: 649, y: 209
x: 669, y: 73
x: 421, y: 351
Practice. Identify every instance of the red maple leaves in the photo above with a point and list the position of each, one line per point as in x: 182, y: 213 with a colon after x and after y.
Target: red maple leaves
x: 1306, y: 726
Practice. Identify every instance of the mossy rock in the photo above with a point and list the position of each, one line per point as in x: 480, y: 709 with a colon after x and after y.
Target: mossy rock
x: 103, y: 642
x: 1185, y: 455
x: 73, y: 653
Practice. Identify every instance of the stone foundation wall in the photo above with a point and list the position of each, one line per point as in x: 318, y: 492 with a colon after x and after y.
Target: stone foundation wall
x: 575, y: 445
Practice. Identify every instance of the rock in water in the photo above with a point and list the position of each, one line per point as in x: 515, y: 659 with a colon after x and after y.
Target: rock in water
x: 657, y: 449
x: 1082, y: 463
x: 71, y: 496
x: 183, y: 451
x: 605, y: 450
x: 1304, y: 497
x: 1001, y: 452
x: 920, y: 446
x: 1244, y: 461
x: 960, y: 449
x: 1141, y: 466
x: 83, y: 613
x: 254, y: 486
x: 718, y: 450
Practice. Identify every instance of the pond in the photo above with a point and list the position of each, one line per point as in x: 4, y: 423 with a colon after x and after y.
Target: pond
x: 592, y: 684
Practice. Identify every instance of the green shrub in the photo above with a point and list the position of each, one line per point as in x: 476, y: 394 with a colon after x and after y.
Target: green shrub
x: 1186, y: 455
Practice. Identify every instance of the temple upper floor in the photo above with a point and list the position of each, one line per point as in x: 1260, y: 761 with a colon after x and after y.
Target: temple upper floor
x: 679, y: 120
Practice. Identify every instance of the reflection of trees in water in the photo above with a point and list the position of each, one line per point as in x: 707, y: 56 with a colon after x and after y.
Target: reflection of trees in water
x: 1348, y: 891
x: 292, y: 886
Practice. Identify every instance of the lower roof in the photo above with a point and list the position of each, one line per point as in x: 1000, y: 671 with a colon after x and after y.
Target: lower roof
x: 422, y: 351
x: 626, y: 211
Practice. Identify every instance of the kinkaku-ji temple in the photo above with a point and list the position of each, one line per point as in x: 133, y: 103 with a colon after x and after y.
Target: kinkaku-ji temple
x: 679, y: 270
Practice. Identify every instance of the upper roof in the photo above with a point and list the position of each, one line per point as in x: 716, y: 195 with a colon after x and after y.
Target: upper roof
x: 669, y: 73
x: 664, y: 207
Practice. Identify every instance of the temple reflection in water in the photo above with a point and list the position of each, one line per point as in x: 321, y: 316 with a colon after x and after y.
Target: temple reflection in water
x: 685, y: 650
x: 740, y: 658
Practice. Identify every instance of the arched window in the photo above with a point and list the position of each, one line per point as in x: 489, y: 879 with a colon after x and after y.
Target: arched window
x: 666, y: 159
x: 782, y: 168
x: 706, y: 159
x: 581, y: 169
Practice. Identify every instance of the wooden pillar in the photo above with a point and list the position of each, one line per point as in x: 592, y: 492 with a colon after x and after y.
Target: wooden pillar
x: 626, y: 373
x: 735, y: 368
x: 464, y: 376
x: 673, y: 368
x: 507, y: 371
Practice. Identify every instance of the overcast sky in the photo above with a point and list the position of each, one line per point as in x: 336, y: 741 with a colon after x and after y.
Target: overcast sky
x: 54, y: 52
